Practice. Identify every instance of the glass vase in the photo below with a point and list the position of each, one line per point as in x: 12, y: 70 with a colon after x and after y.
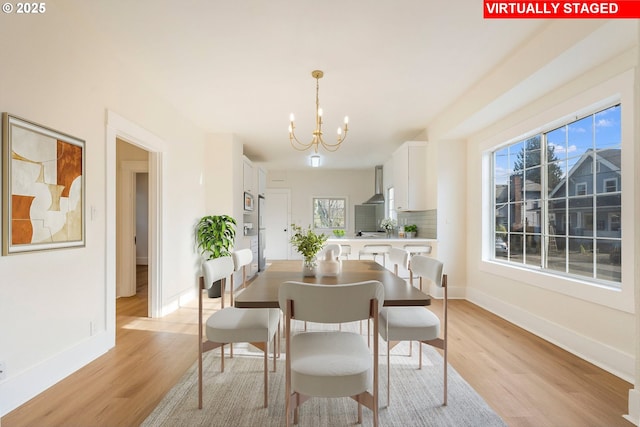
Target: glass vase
x: 309, y: 267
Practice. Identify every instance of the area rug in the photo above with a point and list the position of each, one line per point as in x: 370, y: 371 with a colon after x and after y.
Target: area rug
x: 235, y: 397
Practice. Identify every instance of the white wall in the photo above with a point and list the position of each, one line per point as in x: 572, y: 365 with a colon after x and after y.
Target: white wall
x: 356, y: 186
x: 54, y: 305
x: 595, y: 323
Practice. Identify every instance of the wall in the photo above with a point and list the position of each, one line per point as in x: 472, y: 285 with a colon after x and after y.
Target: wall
x: 593, y: 322
x: 55, y: 305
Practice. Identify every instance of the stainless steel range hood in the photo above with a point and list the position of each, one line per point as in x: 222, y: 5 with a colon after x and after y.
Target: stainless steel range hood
x: 377, y: 198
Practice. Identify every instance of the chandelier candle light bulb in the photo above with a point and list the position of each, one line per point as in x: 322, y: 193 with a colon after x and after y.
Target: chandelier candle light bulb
x: 317, y: 139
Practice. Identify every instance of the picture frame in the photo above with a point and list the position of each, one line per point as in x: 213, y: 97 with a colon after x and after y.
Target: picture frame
x: 43, y: 188
x: 248, y: 201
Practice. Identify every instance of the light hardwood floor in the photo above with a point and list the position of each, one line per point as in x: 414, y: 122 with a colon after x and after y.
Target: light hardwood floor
x: 526, y: 380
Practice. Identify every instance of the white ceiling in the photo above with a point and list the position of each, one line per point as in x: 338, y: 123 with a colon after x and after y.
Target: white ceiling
x: 243, y: 66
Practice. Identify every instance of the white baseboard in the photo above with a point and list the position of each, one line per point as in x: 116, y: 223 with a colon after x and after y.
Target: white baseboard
x: 21, y: 387
x: 606, y: 357
x: 634, y: 407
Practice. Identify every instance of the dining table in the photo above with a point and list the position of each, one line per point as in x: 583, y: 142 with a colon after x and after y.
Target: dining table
x: 262, y: 292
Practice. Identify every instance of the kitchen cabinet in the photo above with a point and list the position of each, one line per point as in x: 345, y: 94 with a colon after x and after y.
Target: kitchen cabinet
x: 262, y: 181
x: 410, y: 173
x: 248, y: 180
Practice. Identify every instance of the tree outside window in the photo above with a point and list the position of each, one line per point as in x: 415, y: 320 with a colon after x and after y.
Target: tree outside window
x: 329, y: 212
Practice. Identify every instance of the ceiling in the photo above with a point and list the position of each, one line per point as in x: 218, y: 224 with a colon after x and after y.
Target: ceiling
x: 242, y: 67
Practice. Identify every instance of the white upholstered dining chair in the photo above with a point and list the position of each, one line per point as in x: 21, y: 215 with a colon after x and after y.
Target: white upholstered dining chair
x: 231, y: 324
x: 375, y: 250
x: 416, y: 249
x: 330, y: 363
x: 417, y: 323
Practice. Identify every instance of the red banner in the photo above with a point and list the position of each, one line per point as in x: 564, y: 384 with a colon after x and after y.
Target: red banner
x: 622, y: 9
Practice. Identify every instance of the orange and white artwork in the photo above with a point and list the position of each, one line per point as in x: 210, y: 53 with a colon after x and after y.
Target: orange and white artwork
x: 43, y: 188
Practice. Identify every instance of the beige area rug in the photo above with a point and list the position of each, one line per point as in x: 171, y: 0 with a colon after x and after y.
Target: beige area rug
x: 235, y: 397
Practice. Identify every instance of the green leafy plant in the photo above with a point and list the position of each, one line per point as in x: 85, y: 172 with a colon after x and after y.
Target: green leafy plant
x: 215, y: 235
x: 411, y: 228
x: 338, y: 233
x: 307, y: 242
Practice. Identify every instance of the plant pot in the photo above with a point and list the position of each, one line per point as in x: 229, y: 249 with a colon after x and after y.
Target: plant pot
x: 410, y: 234
x: 215, y: 291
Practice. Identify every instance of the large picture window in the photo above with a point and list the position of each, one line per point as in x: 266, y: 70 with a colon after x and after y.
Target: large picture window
x: 557, y: 199
x: 329, y: 213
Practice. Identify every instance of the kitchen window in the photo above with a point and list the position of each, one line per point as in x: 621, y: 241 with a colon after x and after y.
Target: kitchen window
x: 557, y: 199
x: 329, y: 212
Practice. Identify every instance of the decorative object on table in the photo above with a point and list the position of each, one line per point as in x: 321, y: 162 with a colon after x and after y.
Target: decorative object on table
x: 317, y: 139
x: 410, y: 231
x: 330, y: 265
x: 308, y: 244
x: 215, y: 235
x: 338, y: 233
x: 388, y: 225
x: 43, y: 195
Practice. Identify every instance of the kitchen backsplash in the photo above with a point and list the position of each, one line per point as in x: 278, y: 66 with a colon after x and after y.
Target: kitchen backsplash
x: 425, y: 220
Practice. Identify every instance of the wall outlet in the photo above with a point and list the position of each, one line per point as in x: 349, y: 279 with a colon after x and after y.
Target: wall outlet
x: 3, y: 371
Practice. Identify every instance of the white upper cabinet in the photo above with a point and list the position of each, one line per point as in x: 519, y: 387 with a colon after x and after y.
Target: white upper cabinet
x: 410, y: 176
x: 249, y: 182
x: 262, y: 181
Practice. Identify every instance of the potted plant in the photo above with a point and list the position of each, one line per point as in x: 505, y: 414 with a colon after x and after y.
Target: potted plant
x: 411, y: 230
x: 308, y: 244
x: 215, y: 235
x: 388, y: 224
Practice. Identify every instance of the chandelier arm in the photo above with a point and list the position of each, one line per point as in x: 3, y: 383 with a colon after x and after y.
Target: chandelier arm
x: 301, y: 146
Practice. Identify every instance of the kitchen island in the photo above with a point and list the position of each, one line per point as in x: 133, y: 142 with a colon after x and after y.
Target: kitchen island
x: 357, y: 243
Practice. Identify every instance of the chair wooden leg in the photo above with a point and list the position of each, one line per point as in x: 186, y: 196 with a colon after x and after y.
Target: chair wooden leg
x: 388, y: 372
x: 222, y: 358
x: 266, y: 376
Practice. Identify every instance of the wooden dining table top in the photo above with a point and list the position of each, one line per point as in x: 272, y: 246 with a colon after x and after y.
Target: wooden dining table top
x: 263, y: 290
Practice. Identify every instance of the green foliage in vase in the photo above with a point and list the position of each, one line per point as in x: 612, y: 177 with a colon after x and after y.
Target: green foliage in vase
x: 215, y: 235
x: 307, y: 242
x: 411, y: 228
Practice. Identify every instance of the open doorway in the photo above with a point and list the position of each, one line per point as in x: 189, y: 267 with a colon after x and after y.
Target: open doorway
x: 132, y: 224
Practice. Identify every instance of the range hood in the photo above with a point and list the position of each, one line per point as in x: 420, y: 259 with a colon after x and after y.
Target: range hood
x: 377, y: 198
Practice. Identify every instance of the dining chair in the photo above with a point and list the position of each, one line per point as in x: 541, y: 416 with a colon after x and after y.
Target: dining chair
x: 415, y: 249
x: 330, y: 363
x: 233, y: 325
x: 345, y: 251
x: 417, y: 323
x: 375, y: 250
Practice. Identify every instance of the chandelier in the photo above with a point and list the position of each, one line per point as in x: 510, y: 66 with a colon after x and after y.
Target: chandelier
x: 317, y: 140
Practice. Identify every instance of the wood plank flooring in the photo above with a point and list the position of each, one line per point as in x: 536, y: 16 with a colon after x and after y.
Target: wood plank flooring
x: 526, y: 380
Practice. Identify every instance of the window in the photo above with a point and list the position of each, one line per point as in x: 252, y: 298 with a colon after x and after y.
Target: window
x: 610, y: 185
x: 329, y: 213
x: 391, y: 204
x: 557, y: 199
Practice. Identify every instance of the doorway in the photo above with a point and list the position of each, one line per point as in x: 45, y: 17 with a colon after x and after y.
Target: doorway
x: 132, y: 220
x: 117, y: 245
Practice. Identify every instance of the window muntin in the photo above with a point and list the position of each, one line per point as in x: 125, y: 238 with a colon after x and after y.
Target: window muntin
x: 557, y: 199
x: 329, y: 212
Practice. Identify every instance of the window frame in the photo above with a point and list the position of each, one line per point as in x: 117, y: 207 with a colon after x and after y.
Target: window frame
x: 344, y: 199
x: 618, y: 89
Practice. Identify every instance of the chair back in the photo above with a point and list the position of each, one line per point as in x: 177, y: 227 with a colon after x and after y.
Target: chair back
x: 216, y: 269
x: 375, y: 249
x: 427, y: 267
x: 241, y: 257
x: 331, y: 303
x: 418, y: 249
x: 399, y: 258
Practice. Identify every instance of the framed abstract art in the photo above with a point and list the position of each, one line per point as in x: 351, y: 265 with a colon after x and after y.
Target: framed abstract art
x: 43, y: 188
